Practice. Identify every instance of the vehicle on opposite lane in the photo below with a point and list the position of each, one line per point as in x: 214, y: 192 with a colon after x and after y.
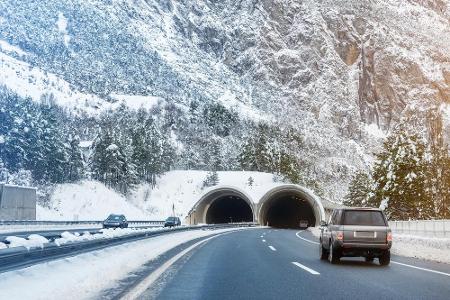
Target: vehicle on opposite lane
x: 172, y: 222
x: 354, y: 232
x: 115, y: 221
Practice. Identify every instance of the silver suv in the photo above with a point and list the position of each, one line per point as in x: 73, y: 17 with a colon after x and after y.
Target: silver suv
x: 355, y: 232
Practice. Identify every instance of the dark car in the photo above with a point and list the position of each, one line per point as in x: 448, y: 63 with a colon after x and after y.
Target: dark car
x: 115, y: 221
x: 356, y: 232
x: 172, y: 222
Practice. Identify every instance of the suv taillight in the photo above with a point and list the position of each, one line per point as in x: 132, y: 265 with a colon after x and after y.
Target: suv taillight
x: 340, y: 235
x: 389, y: 237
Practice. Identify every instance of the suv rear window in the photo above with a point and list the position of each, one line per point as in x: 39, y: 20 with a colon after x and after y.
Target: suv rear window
x: 364, y: 217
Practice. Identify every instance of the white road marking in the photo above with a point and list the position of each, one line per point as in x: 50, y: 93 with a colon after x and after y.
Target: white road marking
x: 306, y: 240
x: 419, y: 268
x: 262, y: 236
x: 264, y: 241
x: 139, y: 289
x: 272, y: 248
x: 305, y: 268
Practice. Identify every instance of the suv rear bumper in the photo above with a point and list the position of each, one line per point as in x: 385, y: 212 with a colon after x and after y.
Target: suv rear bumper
x: 361, y: 249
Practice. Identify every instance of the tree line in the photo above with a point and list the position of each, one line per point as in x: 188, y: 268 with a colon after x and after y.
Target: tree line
x: 410, y: 177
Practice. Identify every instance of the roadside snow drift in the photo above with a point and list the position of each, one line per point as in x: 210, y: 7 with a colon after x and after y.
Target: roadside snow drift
x: 85, y: 276
x: 91, y: 200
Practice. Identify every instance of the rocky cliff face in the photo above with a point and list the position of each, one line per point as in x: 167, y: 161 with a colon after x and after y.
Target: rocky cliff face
x: 328, y: 68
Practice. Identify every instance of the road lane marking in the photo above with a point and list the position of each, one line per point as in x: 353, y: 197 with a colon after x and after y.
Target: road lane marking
x: 262, y: 236
x: 140, y: 288
x: 305, y: 268
x: 264, y: 241
x: 306, y: 240
x: 272, y: 248
x: 419, y: 268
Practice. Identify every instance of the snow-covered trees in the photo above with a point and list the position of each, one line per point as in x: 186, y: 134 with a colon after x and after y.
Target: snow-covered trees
x: 75, y: 169
x: 360, y: 190
x: 400, y: 176
x: 410, y: 178
x: 33, y: 138
x: 212, y: 179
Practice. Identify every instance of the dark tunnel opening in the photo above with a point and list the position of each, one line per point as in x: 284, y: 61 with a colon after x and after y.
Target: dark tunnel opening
x: 229, y: 209
x: 287, y: 211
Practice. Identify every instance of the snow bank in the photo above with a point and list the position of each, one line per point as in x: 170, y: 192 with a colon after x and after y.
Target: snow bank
x: 70, y: 276
x: 184, y: 188
x: 91, y: 200
x: 68, y: 237
x: 33, y: 241
x: 88, y: 200
x: 435, y: 249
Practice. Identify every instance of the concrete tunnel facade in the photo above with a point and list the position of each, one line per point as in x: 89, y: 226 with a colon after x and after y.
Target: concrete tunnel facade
x: 282, y: 206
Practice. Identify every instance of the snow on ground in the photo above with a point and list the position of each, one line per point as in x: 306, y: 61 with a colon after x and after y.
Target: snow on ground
x: 7, y: 47
x: 375, y: 131
x: 33, y: 241
x: 136, y: 101
x: 68, y: 237
x: 29, y: 81
x: 38, y: 241
x: 91, y: 200
x: 434, y: 249
x: 87, y: 200
x: 70, y: 277
x: 184, y: 189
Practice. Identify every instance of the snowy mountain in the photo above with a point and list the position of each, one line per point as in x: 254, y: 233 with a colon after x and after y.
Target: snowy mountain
x: 340, y: 74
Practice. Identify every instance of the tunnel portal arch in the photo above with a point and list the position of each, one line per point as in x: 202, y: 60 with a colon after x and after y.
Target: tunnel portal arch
x: 223, y: 204
x: 286, y: 205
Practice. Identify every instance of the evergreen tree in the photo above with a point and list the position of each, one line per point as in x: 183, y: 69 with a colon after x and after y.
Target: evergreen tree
x: 439, y: 167
x: 51, y: 149
x: 75, y: 159
x: 400, y: 176
x: 250, y: 181
x: 212, y: 179
x: 4, y: 174
x: 359, y: 191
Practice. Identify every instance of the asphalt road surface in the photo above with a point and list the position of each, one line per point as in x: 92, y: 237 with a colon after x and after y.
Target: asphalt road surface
x: 278, y: 264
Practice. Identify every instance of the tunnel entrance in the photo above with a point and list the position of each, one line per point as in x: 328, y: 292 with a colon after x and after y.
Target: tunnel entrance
x: 229, y: 209
x: 286, y: 211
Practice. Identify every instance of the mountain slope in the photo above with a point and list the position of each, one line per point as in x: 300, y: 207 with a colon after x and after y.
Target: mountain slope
x: 331, y: 70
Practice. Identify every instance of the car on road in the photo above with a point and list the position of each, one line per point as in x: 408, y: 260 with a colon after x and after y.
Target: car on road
x: 172, y: 222
x: 356, y: 232
x: 115, y: 221
x: 303, y: 223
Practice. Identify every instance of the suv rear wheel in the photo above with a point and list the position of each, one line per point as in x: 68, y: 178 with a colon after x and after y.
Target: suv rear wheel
x: 385, y: 258
x: 323, y: 252
x: 333, y: 256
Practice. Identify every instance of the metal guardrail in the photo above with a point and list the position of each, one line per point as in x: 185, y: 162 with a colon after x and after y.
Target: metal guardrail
x: 17, y: 257
x: 428, y: 228
x: 143, y: 222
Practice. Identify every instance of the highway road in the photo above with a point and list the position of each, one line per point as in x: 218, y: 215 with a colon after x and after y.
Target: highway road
x: 284, y: 264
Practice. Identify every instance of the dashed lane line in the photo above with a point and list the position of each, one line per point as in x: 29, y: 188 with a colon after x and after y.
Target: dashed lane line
x: 305, y: 268
x: 272, y: 248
